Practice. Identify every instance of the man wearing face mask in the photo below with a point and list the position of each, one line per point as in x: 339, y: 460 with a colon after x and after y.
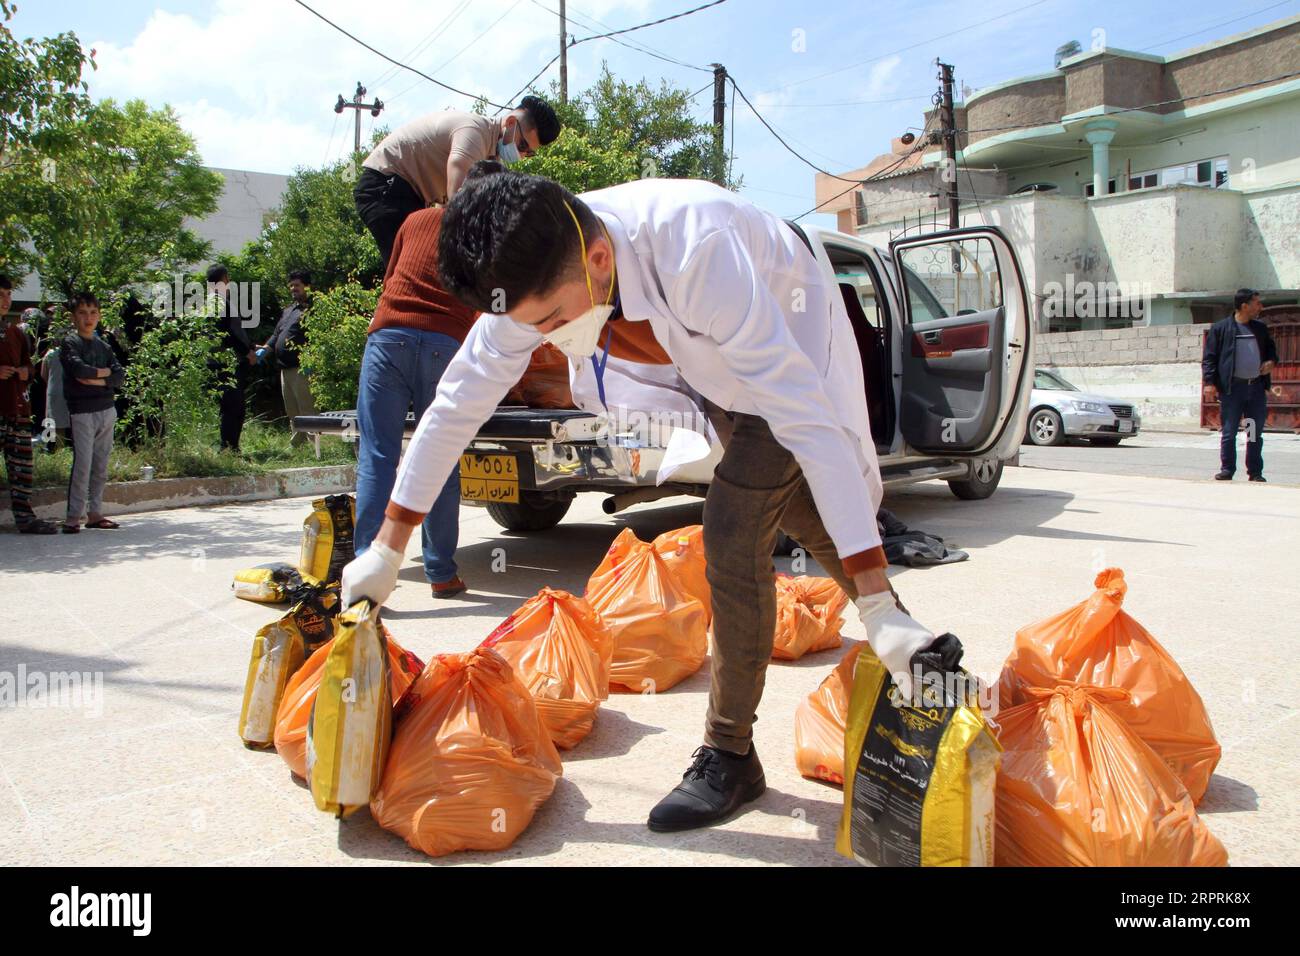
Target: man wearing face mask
x: 685, y: 272
x: 424, y: 162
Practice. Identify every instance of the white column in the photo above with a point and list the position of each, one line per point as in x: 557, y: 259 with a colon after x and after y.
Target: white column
x: 1099, y: 133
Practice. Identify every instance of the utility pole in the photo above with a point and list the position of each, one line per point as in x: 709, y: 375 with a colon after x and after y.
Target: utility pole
x: 358, y: 103
x: 564, y: 57
x: 949, y: 142
x: 719, y: 118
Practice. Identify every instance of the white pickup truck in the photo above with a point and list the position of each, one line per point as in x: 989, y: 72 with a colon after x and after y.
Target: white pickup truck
x: 943, y: 328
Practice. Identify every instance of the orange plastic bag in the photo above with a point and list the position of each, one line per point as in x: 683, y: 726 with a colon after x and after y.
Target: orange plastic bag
x: 545, y: 383
x: 300, y: 693
x: 819, y: 722
x: 807, y: 616
x: 561, y: 650
x: 1097, y: 643
x: 471, y: 759
x: 660, y: 633
x: 683, y: 553
x: 1078, y: 787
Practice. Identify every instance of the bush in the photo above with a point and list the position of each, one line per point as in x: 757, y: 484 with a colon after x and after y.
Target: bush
x: 336, y: 327
x: 173, y: 378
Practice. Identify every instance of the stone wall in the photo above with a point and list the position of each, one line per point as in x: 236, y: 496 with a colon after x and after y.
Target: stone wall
x: 1156, y: 367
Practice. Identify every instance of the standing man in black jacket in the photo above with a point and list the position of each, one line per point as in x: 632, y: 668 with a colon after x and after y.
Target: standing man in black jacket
x: 283, y: 345
x: 234, y: 337
x: 1236, y: 364
x: 91, y: 374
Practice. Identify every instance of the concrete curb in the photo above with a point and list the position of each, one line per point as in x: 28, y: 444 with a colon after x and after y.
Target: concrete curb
x: 128, y: 497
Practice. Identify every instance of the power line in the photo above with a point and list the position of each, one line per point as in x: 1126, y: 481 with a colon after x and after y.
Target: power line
x: 606, y: 36
x: 456, y: 55
x: 579, y: 17
x: 439, y: 29
x: 879, y: 174
x: 781, y: 140
x: 391, y: 60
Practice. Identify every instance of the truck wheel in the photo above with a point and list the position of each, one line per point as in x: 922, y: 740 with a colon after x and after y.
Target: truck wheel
x: 530, y: 513
x: 983, y: 481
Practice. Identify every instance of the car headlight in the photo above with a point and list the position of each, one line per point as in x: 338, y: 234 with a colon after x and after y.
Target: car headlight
x: 1095, y: 407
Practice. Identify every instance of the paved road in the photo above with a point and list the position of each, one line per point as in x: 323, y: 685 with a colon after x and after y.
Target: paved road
x: 1169, y: 455
x: 155, y: 774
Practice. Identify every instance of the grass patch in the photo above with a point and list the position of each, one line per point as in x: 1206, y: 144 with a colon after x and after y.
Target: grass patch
x: 263, y: 447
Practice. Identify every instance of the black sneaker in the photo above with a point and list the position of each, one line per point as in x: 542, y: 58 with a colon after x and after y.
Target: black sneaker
x: 1223, y: 476
x: 717, y: 784
x: 1258, y: 478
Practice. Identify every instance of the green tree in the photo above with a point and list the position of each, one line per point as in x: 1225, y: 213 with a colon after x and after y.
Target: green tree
x: 315, y: 227
x: 616, y: 131
x: 42, y: 99
x: 116, y: 206
x: 336, y: 327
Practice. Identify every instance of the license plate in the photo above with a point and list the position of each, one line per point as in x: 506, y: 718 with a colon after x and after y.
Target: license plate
x: 1125, y: 425
x: 489, y: 478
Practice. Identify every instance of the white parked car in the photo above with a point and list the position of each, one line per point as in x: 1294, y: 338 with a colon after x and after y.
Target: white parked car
x: 1059, y: 410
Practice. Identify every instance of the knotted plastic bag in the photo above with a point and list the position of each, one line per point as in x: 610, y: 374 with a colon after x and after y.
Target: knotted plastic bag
x: 1078, y: 787
x: 819, y: 723
x: 660, y: 633
x: 561, y: 651
x: 471, y: 759
x: 808, y: 616
x: 1098, y: 644
x: 300, y: 694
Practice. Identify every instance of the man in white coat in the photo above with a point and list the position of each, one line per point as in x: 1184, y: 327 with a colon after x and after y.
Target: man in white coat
x: 732, y: 297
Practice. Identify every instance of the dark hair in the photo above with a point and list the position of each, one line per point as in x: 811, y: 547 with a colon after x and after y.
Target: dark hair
x: 6, y: 282
x: 510, y: 234
x: 543, y: 118
x: 1242, y: 297
x: 302, y: 275
x: 484, y: 167
x: 83, y: 298
x: 218, y: 273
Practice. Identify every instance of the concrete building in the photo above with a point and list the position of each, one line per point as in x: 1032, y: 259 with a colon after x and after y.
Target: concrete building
x: 246, y: 199
x: 1140, y: 191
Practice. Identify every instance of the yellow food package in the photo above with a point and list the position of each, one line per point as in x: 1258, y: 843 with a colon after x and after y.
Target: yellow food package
x: 327, y: 537
x: 279, y: 649
x: 351, y: 721
x: 269, y: 583
x: 919, y: 781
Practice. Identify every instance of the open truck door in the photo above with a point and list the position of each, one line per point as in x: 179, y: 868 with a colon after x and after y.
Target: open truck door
x: 966, y: 345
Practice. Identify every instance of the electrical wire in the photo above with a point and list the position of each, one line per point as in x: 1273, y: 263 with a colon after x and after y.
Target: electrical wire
x: 385, y: 56
x: 439, y: 29
x: 456, y: 55
x: 921, y: 143
x: 605, y: 36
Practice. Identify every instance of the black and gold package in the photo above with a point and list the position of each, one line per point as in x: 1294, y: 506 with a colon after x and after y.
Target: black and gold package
x: 268, y: 583
x: 919, y: 781
x: 279, y: 649
x: 327, y: 538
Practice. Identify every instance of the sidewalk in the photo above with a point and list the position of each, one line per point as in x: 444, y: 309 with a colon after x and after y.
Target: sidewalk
x: 160, y: 777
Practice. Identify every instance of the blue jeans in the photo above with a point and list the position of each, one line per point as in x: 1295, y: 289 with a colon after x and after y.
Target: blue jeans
x: 1244, y: 401
x: 400, y: 371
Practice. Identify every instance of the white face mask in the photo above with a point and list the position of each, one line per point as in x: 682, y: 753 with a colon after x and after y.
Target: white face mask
x: 579, y: 337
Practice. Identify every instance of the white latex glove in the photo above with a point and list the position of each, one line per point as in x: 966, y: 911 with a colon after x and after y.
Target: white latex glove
x: 373, y: 575
x: 893, y: 635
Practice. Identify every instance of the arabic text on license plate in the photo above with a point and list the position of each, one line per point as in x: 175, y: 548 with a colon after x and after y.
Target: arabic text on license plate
x: 489, y: 478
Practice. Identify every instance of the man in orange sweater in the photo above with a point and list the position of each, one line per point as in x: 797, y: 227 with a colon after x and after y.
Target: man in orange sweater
x: 416, y: 330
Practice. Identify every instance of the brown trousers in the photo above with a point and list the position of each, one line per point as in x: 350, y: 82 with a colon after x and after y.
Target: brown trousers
x: 757, y: 489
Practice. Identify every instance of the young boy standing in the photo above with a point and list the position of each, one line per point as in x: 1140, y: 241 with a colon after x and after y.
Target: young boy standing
x: 91, y: 374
